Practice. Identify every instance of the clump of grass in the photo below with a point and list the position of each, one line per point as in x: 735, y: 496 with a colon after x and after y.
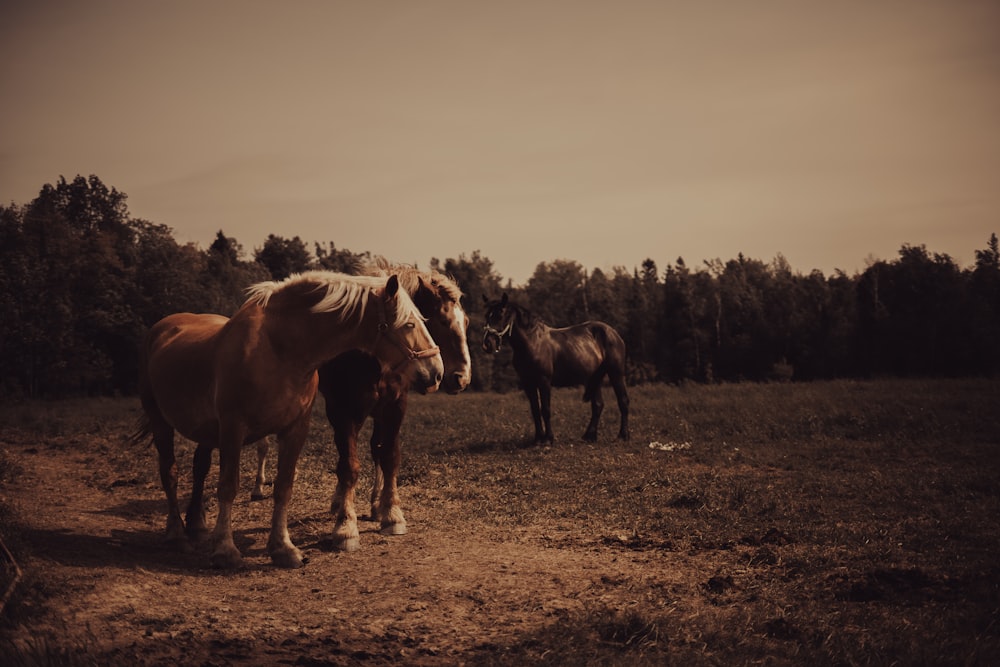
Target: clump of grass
x: 593, y: 636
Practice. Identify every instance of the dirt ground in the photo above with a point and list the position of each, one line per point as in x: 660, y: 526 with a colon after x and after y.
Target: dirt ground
x: 438, y: 595
x: 767, y: 550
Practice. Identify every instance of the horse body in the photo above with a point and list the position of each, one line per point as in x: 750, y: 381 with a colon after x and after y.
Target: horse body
x: 546, y: 357
x: 226, y: 383
x: 355, y: 387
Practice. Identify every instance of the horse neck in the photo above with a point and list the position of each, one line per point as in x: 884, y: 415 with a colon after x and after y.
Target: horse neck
x: 526, y: 326
x: 310, y: 339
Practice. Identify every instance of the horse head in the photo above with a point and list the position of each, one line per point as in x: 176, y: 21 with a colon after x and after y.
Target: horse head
x: 499, y: 322
x: 404, y: 343
x: 438, y: 300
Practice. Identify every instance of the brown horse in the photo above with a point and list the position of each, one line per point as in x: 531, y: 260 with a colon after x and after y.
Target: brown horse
x: 226, y: 383
x: 354, y: 386
x: 545, y: 357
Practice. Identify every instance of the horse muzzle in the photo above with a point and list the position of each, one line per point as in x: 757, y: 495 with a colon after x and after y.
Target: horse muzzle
x: 455, y: 383
x: 491, y: 342
x: 426, y: 371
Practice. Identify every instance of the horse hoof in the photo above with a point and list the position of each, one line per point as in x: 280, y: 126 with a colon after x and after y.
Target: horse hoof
x: 225, y: 560
x: 347, y: 544
x: 393, y: 529
x: 254, y: 495
x: 287, y: 558
x: 590, y: 437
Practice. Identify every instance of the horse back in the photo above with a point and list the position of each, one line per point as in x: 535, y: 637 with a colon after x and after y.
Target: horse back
x: 576, y: 353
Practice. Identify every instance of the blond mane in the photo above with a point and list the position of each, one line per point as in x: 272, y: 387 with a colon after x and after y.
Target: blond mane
x: 345, y: 295
x: 410, y: 276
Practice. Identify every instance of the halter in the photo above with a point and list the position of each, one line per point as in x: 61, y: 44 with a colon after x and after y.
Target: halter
x: 506, y: 330
x: 411, y: 354
x: 487, y: 330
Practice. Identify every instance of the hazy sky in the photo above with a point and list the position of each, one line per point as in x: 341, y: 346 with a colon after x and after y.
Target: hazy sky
x: 602, y: 132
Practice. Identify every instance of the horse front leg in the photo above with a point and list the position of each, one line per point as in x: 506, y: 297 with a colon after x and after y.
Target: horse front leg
x: 279, y: 543
x: 387, y: 457
x: 225, y: 553
x: 196, y: 526
x: 545, y: 403
x: 261, y: 479
x: 536, y: 412
x: 345, y: 527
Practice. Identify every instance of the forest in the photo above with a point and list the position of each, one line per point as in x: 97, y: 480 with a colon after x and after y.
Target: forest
x: 81, y: 280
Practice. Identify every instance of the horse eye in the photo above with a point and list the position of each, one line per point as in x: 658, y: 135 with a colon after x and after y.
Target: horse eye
x: 411, y: 325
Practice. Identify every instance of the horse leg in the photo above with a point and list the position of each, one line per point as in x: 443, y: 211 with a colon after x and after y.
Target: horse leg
x: 594, y: 394
x: 536, y: 412
x: 279, y: 544
x: 196, y: 526
x: 378, y: 479
x: 545, y: 399
x: 225, y: 554
x: 261, y: 479
x: 389, y: 510
x: 345, y: 527
x: 163, y: 438
x: 621, y: 393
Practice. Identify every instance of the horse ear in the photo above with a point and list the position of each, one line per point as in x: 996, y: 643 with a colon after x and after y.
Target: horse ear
x: 391, y: 286
x: 503, y: 299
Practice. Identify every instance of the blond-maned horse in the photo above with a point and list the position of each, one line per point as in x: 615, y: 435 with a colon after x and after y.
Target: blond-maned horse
x: 355, y: 385
x: 226, y: 383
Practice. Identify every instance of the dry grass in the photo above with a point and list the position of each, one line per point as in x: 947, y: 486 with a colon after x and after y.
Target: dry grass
x: 827, y: 523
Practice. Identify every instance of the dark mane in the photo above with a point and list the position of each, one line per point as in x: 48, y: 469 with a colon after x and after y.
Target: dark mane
x: 525, y: 318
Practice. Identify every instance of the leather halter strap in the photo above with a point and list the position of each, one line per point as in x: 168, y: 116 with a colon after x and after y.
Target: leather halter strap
x: 411, y: 355
x: 487, y: 330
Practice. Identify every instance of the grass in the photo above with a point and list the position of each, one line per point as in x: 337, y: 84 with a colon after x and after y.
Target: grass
x: 829, y: 523
x: 847, y: 522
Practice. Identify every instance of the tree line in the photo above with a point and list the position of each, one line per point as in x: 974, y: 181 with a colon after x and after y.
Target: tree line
x: 81, y: 280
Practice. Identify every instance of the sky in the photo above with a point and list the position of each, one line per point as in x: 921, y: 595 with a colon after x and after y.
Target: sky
x: 602, y: 132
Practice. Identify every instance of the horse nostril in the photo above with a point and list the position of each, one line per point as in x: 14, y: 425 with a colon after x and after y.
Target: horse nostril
x: 438, y: 377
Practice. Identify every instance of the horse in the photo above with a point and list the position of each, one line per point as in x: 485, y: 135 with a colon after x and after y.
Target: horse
x: 355, y: 386
x: 226, y: 383
x: 546, y: 357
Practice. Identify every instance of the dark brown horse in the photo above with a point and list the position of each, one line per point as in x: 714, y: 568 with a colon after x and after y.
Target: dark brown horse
x: 544, y: 357
x: 355, y: 385
x: 226, y: 383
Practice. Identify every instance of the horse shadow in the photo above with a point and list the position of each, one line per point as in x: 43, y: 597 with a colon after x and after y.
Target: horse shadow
x: 146, y: 549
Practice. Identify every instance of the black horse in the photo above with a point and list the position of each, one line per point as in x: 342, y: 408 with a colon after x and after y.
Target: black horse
x: 544, y: 357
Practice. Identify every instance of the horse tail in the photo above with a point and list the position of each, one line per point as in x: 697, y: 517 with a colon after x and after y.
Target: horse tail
x: 143, y: 430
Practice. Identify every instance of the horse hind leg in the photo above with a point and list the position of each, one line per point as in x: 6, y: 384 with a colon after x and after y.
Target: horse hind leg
x: 260, y: 481
x: 594, y: 394
x: 621, y: 393
x: 196, y: 526
x: 163, y: 439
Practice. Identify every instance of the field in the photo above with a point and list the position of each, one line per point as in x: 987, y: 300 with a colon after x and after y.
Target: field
x: 827, y: 523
